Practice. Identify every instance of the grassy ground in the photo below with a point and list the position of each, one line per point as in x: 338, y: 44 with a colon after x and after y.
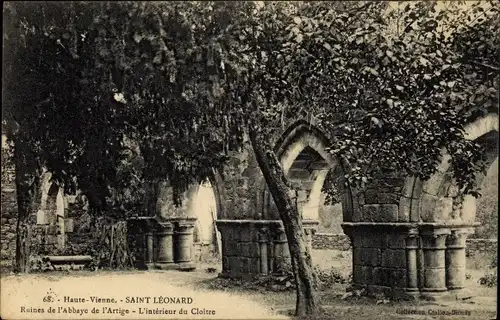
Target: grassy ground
x: 237, y: 302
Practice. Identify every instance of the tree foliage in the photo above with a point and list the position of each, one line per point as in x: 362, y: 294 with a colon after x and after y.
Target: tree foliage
x: 111, y: 96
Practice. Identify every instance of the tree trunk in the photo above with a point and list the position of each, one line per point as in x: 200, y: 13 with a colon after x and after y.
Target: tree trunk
x: 292, y: 222
x: 152, y: 191
x: 28, y: 184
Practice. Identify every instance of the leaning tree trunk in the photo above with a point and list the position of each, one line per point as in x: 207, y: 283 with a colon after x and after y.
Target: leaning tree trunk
x: 28, y: 184
x: 292, y: 222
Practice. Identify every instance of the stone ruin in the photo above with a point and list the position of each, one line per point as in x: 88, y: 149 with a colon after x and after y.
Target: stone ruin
x: 408, y: 236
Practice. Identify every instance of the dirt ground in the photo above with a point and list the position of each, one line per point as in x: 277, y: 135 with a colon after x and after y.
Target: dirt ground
x: 228, y: 303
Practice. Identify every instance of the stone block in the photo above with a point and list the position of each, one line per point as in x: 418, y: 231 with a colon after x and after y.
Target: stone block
x: 243, y: 249
x: 357, y: 240
x: 389, y: 213
x: 254, y: 265
x: 362, y: 275
x: 226, y: 232
x: 396, y: 240
x: 394, y: 258
x: 377, y: 276
x: 234, y: 264
x: 371, y: 257
x: 244, y: 265
x: 253, y: 249
x: 404, y: 209
x: 371, y: 212
x: 357, y: 256
x: 433, y: 185
x: 398, y: 278
x: 232, y: 248
x: 444, y: 207
x: 374, y: 240
x: 377, y: 197
x: 382, y: 276
x: 248, y: 234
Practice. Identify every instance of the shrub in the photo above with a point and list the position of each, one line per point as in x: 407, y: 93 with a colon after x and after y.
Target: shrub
x: 489, y: 280
x: 326, y: 278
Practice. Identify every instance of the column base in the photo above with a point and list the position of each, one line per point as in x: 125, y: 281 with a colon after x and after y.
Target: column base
x: 186, y: 266
x: 433, y: 295
x: 172, y: 266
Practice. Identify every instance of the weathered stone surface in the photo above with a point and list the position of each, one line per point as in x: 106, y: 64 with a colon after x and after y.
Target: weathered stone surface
x: 243, y: 249
x: 253, y: 249
x: 374, y: 240
x: 398, y: 278
x: 396, y: 240
x: 404, y: 209
x: 380, y: 276
x: 234, y: 264
x: 371, y: 212
x: 370, y: 256
x: 324, y: 241
x: 362, y: 274
x: 394, y: 258
x: 434, y: 279
x: 380, y: 213
x: 389, y: 212
x: 434, y: 258
x: 231, y: 248
x: 378, y: 197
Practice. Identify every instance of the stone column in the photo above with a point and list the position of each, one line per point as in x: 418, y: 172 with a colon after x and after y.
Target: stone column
x: 310, y: 227
x: 263, y: 238
x: 281, y: 253
x: 433, y: 247
x: 149, y: 247
x: 184, y: 243
x: 411, y: 261
x: 164, y: 244
x: 455, y: 258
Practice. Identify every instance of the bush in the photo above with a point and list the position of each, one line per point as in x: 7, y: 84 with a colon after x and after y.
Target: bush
x: 326, y: 278
x: 489, y: 280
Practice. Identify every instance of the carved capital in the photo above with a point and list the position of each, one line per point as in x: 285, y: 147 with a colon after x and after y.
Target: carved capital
x: 435, y: 238
x: 412, y: 238
x: 165, y: 228
x: 264, y: 234
x: 458, y: 237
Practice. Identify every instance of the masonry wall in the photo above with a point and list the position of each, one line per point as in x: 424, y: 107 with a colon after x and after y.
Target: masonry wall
x: 8, y: 227
x: 341, y: 242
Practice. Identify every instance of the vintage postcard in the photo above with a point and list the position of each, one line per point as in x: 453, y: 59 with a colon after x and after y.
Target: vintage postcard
x: 249, y: 160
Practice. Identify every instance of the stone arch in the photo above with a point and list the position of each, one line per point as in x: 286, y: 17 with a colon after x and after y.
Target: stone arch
x: 51, y: 214
x: 166, y: 209
x: 201, y: 233
x: 432, y: 200
x: 303, y: 139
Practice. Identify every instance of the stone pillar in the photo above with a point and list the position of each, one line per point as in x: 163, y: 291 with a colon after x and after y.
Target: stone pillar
x: 164, y: 244
x: 411, y: 261
x: 149, y: 247
x: 455, y: 258
x: 310, y: 227
x: 184, y: 243
x: 263, y: 238
x: 433, y: 247
x: 281, y: 252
